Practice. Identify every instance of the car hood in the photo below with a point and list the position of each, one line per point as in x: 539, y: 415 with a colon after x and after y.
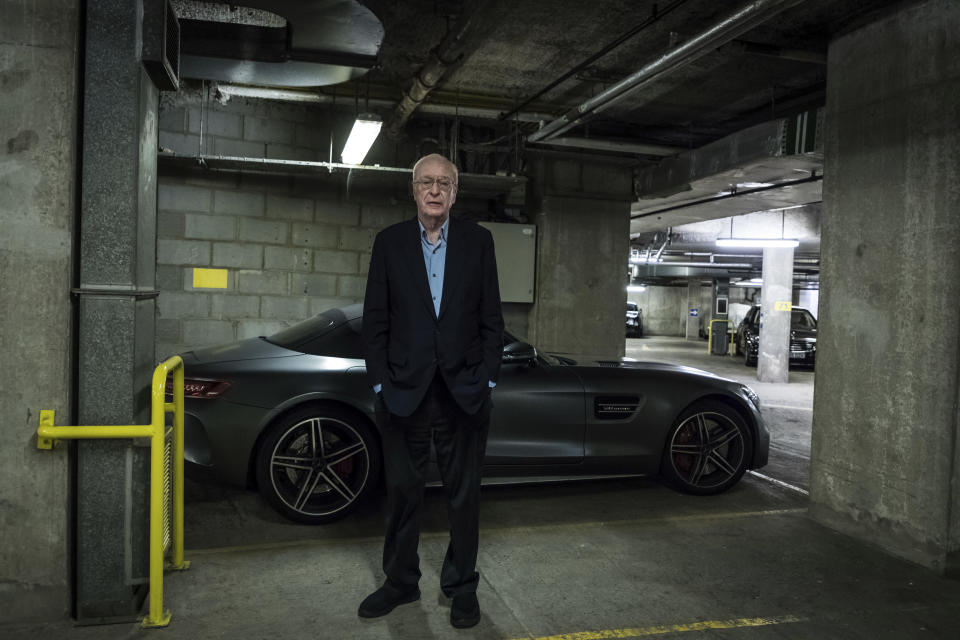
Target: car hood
x: 604, y: 362
x: 249, y: 349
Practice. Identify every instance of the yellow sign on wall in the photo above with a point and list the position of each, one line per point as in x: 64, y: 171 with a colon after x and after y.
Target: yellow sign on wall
x: 781, y: 305
x: 209, y: 278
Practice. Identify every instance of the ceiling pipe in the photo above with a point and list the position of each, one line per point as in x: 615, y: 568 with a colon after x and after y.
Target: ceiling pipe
x: 736, y: 24
x: 447, y: 53
x: 654, y: 17
x: 229, y: 90
x: 614, y: 146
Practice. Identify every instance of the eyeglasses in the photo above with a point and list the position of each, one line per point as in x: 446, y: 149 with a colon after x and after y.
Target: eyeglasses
x: 445, y: 184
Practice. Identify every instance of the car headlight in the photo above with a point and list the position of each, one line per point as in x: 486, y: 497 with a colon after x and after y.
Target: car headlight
x: 751, y: 395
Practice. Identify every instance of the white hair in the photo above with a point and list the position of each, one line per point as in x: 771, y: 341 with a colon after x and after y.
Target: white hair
x: 437, y: 156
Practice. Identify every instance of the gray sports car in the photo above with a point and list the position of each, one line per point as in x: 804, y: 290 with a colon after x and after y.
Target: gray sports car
x: 292, y: 415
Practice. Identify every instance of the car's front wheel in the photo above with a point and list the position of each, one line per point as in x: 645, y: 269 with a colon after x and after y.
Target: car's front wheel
x: 707, y: 450
x: 318, y: 463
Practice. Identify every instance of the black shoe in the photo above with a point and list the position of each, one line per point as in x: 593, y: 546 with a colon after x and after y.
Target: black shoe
x: 385, y: 599
x: 465, y: 610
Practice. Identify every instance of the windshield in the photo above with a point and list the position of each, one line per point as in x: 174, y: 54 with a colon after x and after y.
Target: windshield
x: 802, y: 319
x: 509, y: 338
x: 313, y: 328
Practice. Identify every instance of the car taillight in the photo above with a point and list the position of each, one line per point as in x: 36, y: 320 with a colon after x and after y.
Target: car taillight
x: 197, y: 388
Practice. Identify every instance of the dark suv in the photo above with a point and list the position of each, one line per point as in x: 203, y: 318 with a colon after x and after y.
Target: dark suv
x: 634, y: 320
x: 803, y: 336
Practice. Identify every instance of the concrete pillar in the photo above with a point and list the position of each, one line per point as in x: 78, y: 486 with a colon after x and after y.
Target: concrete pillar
x: 38, y: 103
x: 693, y: 310
x: 885, y: 464
x: 582, y: 213
x: 773, y: 355
x: 116, y: 311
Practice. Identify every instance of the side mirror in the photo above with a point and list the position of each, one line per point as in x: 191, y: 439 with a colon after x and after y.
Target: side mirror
x: 519, y: 352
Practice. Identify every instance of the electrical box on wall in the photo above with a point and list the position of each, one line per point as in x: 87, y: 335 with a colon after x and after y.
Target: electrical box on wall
x: 516, y: 247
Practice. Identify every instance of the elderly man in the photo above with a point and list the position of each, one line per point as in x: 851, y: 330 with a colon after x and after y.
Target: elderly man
x: 433, y: 336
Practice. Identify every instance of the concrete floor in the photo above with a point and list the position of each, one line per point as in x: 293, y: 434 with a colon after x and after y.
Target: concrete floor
x: 611, y: 559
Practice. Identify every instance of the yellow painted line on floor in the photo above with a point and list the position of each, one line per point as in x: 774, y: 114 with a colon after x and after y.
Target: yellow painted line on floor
x: 494, y: 531
x: 657, y: 630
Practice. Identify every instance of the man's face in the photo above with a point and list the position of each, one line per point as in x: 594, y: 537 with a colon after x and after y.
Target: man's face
x: 434, y: 199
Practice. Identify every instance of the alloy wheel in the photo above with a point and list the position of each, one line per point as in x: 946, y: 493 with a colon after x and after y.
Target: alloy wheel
x: 319, y: 466
x: 707, y: 450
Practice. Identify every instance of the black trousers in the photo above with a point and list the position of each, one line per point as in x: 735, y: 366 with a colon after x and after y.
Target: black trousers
x: 460, y: 441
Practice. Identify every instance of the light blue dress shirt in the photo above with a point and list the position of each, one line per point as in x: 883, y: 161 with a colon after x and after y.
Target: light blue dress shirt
x: 434, y: 259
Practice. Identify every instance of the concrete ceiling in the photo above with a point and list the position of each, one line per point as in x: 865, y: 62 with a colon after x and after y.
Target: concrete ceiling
x: 485, y: 58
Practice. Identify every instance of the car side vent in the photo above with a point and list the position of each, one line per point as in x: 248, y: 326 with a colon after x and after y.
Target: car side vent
x: 614, y: 407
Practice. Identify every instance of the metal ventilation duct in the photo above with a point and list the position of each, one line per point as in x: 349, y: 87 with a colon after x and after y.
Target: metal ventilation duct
x: 274, y: 43
x: 774, y: 165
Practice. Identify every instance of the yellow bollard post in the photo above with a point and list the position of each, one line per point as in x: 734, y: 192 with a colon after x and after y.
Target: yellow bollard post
x: 156, y: 617
x: 48, y: 434
x: 178, y: 562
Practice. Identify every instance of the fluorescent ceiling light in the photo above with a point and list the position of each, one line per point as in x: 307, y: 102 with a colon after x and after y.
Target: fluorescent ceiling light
x: 289, y: 95
x: 365, y: 131
x: 757, y: 242
x: 752, y: 282
x: 636, y: 288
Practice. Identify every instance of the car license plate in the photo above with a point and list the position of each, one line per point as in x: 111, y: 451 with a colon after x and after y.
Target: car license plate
x: 796, y: 355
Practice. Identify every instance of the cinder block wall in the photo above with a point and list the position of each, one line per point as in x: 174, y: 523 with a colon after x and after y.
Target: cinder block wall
x: 292, y: 247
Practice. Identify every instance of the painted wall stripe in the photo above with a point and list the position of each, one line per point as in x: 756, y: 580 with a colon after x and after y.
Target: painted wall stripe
x: 656, y: 630
x: 209, y: 278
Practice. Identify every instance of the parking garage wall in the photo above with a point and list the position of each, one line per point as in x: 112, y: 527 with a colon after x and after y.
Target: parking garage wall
x: 665, y: 309
x: 291, y: 247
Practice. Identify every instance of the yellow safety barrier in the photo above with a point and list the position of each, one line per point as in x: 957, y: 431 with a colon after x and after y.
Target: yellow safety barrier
x: 165, y: 444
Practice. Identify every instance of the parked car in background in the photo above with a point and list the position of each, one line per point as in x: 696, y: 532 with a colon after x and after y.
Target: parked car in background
x: 292, y: 414
x: 634, y: 320
x: 803, y: 336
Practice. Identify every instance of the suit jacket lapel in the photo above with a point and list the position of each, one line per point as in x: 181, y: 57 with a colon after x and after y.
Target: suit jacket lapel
x: 452, y: 265
x: 413, y: 252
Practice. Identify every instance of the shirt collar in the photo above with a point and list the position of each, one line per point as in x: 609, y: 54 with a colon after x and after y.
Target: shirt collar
x: 443, y: 230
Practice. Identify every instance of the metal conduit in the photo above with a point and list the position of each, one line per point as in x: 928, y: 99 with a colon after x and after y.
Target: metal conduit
x: 736, y: 24
x: 443, y: 56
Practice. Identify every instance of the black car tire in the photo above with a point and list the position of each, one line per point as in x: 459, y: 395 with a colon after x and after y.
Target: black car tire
x: 318, y: 485
x: 747, y: 360
x: 707, y: 450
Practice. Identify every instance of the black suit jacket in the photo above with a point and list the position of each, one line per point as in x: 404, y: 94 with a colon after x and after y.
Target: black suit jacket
x: 405, y: 341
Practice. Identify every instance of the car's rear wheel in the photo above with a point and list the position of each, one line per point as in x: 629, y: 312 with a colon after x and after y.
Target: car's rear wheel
x: 707, y: 450
x: 318, y: 463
